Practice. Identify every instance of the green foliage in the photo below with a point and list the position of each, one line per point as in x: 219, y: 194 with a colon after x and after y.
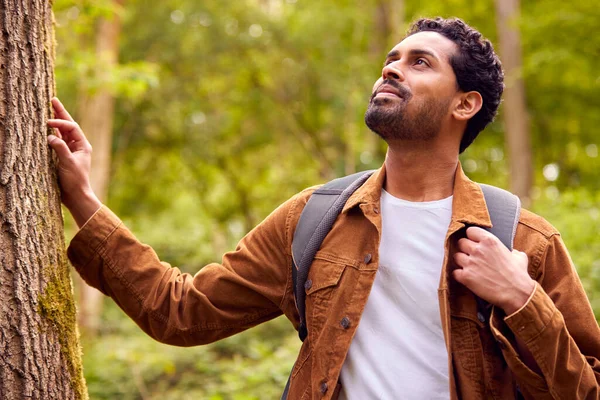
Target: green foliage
x: 225, y: 112
x: 576, y: 214
x: 123, y: 363
x: 561, y: 71
x: 79, y: 70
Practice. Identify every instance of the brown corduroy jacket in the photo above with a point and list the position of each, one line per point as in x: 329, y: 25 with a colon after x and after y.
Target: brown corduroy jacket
x: 253, y: 284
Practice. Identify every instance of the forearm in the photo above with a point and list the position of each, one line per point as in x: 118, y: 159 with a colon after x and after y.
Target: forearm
x: 527, y: 357
x: 174, y: 307
x: 82, y: 206
x: 519, y: 301
x: 545, y: 347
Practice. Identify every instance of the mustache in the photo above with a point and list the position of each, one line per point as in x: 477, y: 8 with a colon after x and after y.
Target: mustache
x: 404, y: 92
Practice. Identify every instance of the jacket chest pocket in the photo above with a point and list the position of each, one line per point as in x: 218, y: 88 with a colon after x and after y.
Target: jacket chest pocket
x: 325, y: 292
x: 323, y: 277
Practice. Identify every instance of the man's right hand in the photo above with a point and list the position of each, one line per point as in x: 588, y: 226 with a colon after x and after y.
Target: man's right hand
x: 75, y: 158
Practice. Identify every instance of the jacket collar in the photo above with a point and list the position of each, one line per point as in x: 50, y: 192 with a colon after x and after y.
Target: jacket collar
x: 468, y: 204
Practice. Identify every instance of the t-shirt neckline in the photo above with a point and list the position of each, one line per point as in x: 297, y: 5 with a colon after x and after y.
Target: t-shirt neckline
x: 441, y: 203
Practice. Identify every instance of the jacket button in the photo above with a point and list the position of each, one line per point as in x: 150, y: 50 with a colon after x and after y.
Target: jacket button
x: 345, y: 323
x: 323, y: 387
x: 308, y: 284
x: 480, y: 317
x: 368, y: 258
x: 501, y: 344
x: 376, y: 210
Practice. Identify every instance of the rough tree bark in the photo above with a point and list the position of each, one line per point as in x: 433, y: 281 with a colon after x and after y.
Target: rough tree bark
x: 96, y: 115
x: 40, y: 356
x: 516, y: 119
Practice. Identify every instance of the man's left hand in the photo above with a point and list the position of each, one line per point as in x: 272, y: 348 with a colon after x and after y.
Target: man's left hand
x: 491, y: 271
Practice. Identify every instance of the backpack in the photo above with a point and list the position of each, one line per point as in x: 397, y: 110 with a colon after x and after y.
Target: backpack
x: 326, y: 203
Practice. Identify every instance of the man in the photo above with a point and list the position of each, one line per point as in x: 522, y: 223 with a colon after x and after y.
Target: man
x: 407, y: 258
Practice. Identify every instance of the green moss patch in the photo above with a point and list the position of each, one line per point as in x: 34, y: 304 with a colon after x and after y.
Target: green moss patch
x: 57, y: 306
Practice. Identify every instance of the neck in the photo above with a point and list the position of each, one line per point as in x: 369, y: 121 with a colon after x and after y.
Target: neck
x: 419, y: 173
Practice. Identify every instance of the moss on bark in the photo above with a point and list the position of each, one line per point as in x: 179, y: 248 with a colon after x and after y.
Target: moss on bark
x: 57, y: 306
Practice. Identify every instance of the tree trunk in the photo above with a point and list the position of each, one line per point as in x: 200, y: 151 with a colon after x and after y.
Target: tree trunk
x: 96, y: 115
x: 389, y: 27
x: 516, y: 119
x: 389, y: 30
x: 40, y: 357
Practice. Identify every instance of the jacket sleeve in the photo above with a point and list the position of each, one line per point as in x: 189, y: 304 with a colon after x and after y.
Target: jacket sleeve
x: 251, y: 285
x: 559, y: 329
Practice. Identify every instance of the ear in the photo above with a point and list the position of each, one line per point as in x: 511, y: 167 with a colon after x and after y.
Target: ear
x: 469, y: 104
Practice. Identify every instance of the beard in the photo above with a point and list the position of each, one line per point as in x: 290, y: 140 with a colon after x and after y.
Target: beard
x: 390, y: 119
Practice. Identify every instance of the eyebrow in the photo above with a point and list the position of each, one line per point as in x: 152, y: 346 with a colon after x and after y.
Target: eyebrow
x: 413, y: 52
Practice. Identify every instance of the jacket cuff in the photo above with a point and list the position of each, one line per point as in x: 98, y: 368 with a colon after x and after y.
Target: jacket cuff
x: 526, y: 303
x: 87, y: 245
x: 531, y: 320
x: 526, y: 323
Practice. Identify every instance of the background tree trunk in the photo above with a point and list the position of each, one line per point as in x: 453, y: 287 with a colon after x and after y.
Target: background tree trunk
x: 389, y: 27
x: 39, y: 350
x: 516, y: 119
x: 96, y: 115
x: 389, y: 30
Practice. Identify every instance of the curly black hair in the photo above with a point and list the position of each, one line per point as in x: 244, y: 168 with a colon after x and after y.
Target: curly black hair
x: 476, y: 66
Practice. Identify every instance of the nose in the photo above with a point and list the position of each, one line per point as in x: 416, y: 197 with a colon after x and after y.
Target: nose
x: 391, y: 71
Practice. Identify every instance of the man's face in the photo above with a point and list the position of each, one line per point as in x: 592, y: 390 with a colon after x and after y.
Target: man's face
x: 412, y: 98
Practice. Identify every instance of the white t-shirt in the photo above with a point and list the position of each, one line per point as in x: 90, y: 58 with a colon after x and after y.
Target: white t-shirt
x: 398, y: 351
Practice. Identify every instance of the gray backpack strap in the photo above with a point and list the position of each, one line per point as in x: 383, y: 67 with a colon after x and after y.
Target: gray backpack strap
x: 504, y: 209
x: 327, y: 202
x: 316, y: 220
x: 314, y: 224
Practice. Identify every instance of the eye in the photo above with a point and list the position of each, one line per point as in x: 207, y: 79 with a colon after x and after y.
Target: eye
x: 421, y: 61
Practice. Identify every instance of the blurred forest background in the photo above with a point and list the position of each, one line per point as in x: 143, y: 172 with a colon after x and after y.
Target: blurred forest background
x: 204, y: 116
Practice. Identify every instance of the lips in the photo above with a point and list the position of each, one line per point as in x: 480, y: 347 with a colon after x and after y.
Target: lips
x: 388, y: 90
